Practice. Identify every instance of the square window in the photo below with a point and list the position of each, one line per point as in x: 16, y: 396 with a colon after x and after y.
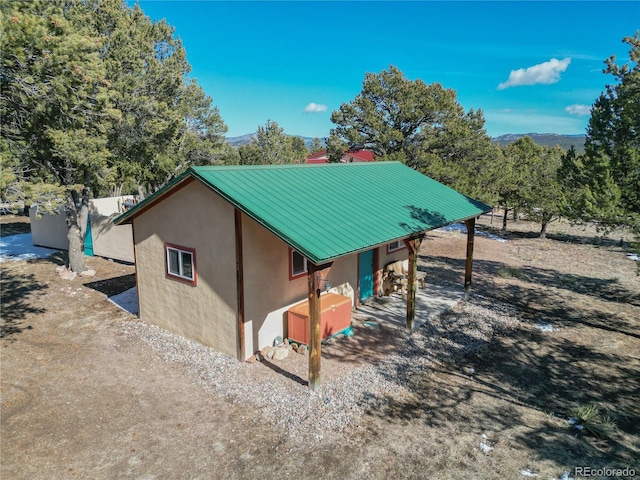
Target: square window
x: 181, y: 263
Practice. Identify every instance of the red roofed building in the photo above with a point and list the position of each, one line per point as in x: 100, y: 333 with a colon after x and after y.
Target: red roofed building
x: 348, y: 157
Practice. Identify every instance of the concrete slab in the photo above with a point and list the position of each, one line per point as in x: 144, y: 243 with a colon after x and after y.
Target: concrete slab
x: 431, y: 301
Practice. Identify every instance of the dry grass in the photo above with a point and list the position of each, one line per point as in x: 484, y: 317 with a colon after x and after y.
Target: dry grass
x: 79, y: 400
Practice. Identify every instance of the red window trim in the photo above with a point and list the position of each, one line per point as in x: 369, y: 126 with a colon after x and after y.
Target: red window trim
x: 291, y: 275
x: 401, y: 247
x: 176, y: 278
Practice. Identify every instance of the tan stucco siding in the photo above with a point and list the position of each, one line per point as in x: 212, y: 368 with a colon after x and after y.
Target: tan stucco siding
x: 49, y: 230
x: 197, y: 218
x: 111, y: 241
x: 268, y: 290
x: 386, y: 258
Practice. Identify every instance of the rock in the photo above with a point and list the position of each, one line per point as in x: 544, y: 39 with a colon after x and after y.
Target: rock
x: 302, y: 349
x: 286, y: 341
x: 60, y: 268
x: 267, y: 352
x: 67, y: 275
x: 277, y: 341
x: 280, y: 354
x: 294, y: 346
x: 251, y: 359
x: 88, y: 273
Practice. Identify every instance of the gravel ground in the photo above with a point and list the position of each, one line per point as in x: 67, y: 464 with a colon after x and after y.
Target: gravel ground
x: 338, y: 407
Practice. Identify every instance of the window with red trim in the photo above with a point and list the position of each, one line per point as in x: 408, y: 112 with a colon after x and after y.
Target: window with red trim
x: 297, y: 264
x: 181, y: 263
x: 395, y: 246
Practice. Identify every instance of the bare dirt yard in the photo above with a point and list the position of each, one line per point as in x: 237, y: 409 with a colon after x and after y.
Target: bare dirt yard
x: 537, y: 373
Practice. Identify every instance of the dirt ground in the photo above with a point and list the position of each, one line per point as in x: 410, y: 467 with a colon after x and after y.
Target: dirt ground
x: 80, y: 400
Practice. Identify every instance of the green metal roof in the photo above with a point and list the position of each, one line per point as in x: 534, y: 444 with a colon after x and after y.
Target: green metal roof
x: 331, y: 210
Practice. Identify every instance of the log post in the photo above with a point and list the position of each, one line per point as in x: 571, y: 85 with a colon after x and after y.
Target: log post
x: 314, y: 278
x: 471, y: 226
x: 413, y: 245
x: 239, y: 283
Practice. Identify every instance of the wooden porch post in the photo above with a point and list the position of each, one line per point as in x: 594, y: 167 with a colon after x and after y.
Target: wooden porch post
x: 315, y: 334
x: 377, y: 274
x: 413, y: 245
x: 471, y: 226
x: 239, y: 283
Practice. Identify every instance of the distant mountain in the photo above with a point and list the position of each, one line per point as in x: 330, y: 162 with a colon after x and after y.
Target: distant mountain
x: 244, y: 139
x: 546, y: 140
x: 241, y: 140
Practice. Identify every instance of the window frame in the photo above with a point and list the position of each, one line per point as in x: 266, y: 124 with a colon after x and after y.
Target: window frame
x: 193, y: 280
x: 401, y: 246
x: 292, y: 275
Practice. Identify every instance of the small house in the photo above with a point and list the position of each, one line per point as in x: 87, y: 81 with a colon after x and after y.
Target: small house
x: 223, y: 253
x: 103, y: 238
x: 348, y: 156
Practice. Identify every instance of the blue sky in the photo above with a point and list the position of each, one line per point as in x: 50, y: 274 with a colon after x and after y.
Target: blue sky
x: 530, y: 66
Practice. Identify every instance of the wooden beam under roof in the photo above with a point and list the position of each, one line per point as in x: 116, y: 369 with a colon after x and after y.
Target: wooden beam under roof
x: 471, y: 227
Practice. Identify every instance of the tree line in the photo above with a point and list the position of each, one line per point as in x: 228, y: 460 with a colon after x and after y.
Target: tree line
x: 96, y: 99
x: 426, y: 128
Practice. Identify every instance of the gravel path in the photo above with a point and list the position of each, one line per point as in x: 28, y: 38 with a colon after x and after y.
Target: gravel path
x: 338, y: 406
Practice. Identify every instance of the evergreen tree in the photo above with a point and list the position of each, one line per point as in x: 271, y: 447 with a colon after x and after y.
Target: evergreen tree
x: 316, y: 145
x: 420, y: 125
x: 300, y: 150
x: 273, y: 145
x: 56, y: 105
x: 94, y: 97
x: 545, y: 199
x: 168, y: 123
x: 610, y: 168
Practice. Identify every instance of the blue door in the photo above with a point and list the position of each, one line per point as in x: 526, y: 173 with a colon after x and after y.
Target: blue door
x: 365, y: 267
x: 88, y: 239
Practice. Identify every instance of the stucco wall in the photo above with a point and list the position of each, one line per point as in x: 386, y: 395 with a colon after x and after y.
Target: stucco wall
x: 48, y: 230
x: 192, y: 217
x: 385, y: 258
x: 111, y: 241
x: 268, y: 291
x: 109, y: 205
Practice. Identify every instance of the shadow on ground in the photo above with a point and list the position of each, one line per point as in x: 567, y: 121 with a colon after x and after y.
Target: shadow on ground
x: 15, y: 306
x: 528, y: 370
x: 113, y: 286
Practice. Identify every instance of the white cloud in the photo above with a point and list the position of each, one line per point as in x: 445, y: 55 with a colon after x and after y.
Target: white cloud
x: 578, y: 109
x: 315, y: 108
x: 545, y: 73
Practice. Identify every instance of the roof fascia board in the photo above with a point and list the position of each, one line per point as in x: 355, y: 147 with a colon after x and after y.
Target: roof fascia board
x: 180, y: 181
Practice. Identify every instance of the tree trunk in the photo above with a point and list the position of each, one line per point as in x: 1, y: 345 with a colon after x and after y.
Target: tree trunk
x: 504, y: 218
x: 76, y: 213
x: 543, y: 229
x: 545, y: 221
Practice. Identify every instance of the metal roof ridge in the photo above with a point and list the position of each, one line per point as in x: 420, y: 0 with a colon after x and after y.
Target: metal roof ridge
x: 290, y: 165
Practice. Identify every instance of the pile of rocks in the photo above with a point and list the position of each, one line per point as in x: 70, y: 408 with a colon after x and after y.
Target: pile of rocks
x: 280, y: 350
x: 66, y: 274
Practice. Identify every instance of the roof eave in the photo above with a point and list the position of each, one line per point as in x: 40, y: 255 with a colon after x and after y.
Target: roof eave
x: 181, y: 180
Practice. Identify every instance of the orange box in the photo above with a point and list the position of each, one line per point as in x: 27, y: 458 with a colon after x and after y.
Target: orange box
x: 335, y: 315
